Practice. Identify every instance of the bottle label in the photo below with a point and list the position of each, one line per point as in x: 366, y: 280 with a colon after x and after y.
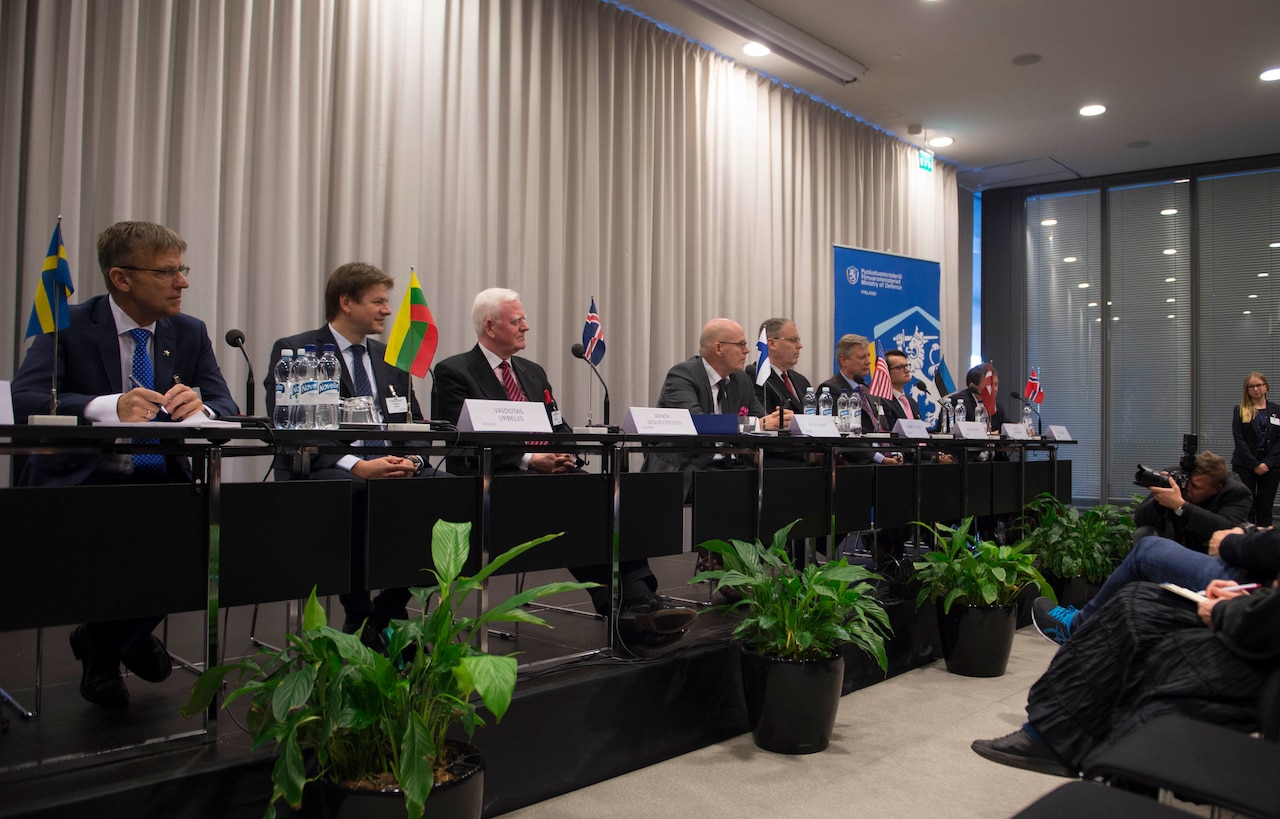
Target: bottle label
x: 307, y: 394
x: 328, y: 390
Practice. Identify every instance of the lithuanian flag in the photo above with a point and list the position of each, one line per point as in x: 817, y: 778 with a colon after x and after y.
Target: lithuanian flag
x: 413, y: 336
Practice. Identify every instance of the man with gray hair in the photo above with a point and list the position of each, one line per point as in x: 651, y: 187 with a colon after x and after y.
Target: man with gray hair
x: 492, y: 370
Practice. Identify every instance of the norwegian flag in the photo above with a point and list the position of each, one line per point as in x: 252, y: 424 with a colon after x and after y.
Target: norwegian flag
x: 593, y: 336
x: 1032, y: 391
x: 881, y: 386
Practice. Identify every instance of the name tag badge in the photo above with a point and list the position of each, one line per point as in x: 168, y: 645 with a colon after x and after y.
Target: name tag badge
x: 397, y: 405
x: 1274, y: 420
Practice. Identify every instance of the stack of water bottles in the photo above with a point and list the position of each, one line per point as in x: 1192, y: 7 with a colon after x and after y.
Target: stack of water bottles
x: 308, y: 389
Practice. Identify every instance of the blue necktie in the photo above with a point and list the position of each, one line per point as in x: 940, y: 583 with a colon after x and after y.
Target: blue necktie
x: 144, y: 375
x: 359, y: 375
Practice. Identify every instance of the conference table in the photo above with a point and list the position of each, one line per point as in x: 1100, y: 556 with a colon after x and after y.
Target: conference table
x: 106, y: 552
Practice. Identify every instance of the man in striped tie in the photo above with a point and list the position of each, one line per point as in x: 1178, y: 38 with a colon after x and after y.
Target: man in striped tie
x: 130, y: 356
x: 492, y: 370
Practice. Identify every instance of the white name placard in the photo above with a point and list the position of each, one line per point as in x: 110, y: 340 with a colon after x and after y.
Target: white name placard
x: 1057, y: 432
x: 970, y: 429
x: 911, y: 428
x: 480, y: 415
x: 659, y: 421
x: 6, y: 404
x: 1015, y: 431
x: 815, y: 426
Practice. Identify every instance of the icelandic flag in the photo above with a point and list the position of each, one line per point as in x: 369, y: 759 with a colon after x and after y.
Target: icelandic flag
x: 593, y: 336
x: 49, y: 312
x: 762, y: 366
x: 1032, y: 391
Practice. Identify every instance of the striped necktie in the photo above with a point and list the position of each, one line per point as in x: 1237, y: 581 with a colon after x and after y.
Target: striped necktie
x: 508, y: 378
x: 144, y: 374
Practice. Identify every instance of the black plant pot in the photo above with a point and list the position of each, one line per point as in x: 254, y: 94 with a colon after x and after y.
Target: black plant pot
x: 976, y: 640
x: 460, y: 798
x: 791, y: 704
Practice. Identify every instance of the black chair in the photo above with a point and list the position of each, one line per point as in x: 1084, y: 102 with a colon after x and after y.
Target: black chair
x: 1076, y: 799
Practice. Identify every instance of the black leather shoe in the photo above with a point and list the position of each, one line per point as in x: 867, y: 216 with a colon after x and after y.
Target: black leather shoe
x: 1021, y: 750
x: 100, y: 681
x: 151, y: 662
x: 653, y: 615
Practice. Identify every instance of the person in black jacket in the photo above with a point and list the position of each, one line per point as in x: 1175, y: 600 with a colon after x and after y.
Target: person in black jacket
x: 1255, y: 426
x: 1146, y: 654
x: 1214, y: 500
x: 1233, y: 555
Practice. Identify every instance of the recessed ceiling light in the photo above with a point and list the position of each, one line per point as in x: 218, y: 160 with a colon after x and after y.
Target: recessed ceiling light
x: 1169, y: 251
x: 1169, y: 301
x: 1181, y: 181
x: 1171, y: 315
x: 1253, y: 295
x: 1093, y: 304
x: 1099, y: 318
x: 1171, y: 279
x: 1093, y: 110
x: 1070, y: 259
x: 1083, y: 285
x: 940, y: 142
x: 1247, y: 312
x: 1274, y: 244
x: 1115, y: 318
x: 754, y: 49
x: 1168, y: 211
x: 1108, y: 304
x: 1048, y: 222
x: 1270, y: 75
x: 1263, y: 275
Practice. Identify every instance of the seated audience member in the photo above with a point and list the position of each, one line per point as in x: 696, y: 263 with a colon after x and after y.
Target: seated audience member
x: 136, y: 334
x: 785, y: 388
x: 492, y: 370
x: 1233, y: 555
x: 357, y: 303
x: 1215, y: 499
x: 1147, y: 653
x: 853, y: 365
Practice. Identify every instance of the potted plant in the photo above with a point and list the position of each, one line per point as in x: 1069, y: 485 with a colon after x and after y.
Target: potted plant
x: 974, y: 584
x: 797, y: 623
x: 375, y: 724
x: 1077, y: 550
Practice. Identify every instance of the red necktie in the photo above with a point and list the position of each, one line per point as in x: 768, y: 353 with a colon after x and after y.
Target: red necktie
x: 514, y: 392
x: 786, y: 380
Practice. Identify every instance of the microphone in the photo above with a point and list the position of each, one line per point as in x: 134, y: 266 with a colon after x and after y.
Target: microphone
x: 236, y: 339
x: 920, y: 385
x: 1017, y: 396
x: 578, y: 351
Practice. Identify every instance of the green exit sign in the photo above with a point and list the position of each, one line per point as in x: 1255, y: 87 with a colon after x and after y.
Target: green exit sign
x: 926, y: 160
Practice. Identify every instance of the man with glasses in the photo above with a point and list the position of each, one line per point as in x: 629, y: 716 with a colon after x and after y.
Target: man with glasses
x: 853, y: 365
x: 491, y: 370
x: 903, y: 405
x: 785, y: 387
x: 130, y: 356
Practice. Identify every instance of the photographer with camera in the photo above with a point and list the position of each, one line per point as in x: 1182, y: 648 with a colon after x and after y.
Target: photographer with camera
x: 1190, y: 505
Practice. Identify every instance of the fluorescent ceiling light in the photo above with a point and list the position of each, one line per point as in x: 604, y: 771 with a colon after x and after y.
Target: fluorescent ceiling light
x: 1270, y: 75
x: 754, y: 49
x: 1093, y: 110
x: 783, y: 38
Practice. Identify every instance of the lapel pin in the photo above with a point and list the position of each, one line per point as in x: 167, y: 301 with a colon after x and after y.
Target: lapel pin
x: 166, y: 353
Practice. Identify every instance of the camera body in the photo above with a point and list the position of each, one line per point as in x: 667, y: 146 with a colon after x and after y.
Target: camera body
x: 1146, y: 476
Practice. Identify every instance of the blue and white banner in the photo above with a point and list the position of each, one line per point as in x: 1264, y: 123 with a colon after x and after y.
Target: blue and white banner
x: 894, y: 302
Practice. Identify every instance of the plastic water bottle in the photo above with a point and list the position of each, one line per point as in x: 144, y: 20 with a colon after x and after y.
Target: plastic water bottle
x: 980, y: 415
x: 961, y: 412
x: 949, y: 416
x: 855, y: 414
x: 842, y: 411
x: 329, y: 374
x: 810, y: 402
x: 304, y: 388
x: 824, y: 402
x: 1028, y: 420
x: 280, y: 415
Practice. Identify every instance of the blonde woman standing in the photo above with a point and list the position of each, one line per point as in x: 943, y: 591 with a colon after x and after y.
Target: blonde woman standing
x: 1256, y: 430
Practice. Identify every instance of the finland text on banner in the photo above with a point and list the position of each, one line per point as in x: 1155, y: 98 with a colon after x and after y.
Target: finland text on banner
x: 414, y: 335
x: 55, y: 286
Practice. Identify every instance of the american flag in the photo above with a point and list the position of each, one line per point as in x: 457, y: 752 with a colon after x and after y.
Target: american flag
x: 593, y: 336
x: 1032, y: 391
x: 881, y: 386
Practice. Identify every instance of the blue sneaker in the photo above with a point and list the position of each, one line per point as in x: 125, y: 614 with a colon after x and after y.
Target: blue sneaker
x: 1053, y: 621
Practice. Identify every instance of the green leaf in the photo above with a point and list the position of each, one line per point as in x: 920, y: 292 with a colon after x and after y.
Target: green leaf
x: 450, y: 543
x: 288, y: 774
x: 494, y: 678
x: 416, y: 775
x: 293, y: 692
x: 313, y: 615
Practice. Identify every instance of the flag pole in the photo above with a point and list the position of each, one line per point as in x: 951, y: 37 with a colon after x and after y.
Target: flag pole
x: 408, y: 410
x: 53, y: 386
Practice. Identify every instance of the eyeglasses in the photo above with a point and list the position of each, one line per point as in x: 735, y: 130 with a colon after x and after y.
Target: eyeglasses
x: 742, y: 344
x: 1257, y: 386
x: 168, y: 272
x: 792, y: 339
x: 901, y: 367
x: 517, y: 321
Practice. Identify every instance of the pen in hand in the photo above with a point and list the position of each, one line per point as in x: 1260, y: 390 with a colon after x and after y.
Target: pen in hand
x: 138, y: 386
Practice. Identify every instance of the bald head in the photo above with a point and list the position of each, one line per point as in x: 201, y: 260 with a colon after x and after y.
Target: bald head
x: 723, y: 345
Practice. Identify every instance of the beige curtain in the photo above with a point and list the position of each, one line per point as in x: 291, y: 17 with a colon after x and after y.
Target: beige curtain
x: 564, y: 148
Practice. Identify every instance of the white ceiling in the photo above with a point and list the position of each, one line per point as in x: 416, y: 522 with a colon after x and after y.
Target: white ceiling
x: 1181, y: 75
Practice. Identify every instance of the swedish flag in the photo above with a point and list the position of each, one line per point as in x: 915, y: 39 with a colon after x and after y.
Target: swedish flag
x: 50, y: 308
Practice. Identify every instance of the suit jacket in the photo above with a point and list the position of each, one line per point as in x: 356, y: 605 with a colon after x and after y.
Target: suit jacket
x: 879, y: 408
x: 1251, y: 448
x: 969, y: 397
x: 686, y: 386
x: 89, y: 366
x: 386, y: 379
x: 468, y: 375
x: 773, y: 392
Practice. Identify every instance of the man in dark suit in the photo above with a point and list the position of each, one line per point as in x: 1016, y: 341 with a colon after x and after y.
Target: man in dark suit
x: 491, y: 370
x: 357, y: 302
x: 853, y: 365
x: 903, y: 405
x: 971, y: 395
x: 785, y: 387
x: 136, y: 332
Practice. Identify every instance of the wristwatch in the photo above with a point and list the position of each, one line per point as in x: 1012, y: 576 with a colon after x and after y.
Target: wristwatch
x: 1178, y: 511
